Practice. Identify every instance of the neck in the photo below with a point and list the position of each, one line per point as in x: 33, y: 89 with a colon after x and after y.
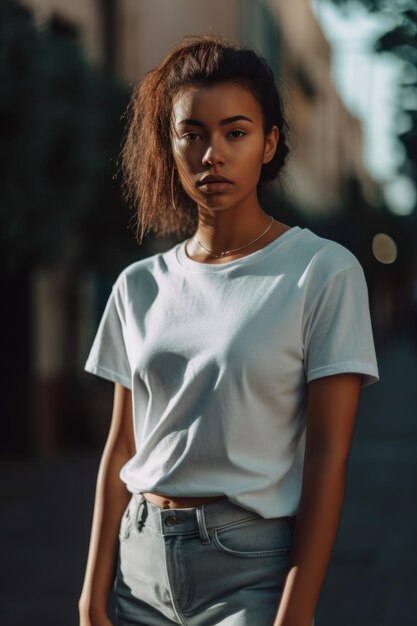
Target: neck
x: 226, y: 230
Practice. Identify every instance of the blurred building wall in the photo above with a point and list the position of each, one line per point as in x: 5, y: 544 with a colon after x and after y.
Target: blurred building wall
x: 329, y: 137
x: 150, y: 27
x: 86, y: 15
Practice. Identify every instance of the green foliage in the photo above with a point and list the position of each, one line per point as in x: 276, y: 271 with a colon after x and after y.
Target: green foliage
x: 400, y: 41
x: 61, y: 130
x: 376, y: 5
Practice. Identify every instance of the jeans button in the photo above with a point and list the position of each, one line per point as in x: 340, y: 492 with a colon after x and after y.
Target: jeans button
x: 170, y: 520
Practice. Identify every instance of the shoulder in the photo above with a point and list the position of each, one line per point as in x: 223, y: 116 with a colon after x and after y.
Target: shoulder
x: 325, y: 267
x: 145, y: 272
x: 324, y: 258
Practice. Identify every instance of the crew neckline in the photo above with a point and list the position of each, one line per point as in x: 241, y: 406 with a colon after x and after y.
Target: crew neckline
x: 185, y: 261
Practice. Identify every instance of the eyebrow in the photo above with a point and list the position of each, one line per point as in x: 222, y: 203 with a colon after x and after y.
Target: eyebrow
x: 227, y: 120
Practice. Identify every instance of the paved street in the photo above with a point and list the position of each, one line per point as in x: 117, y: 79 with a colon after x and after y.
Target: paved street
x: 373, y: 573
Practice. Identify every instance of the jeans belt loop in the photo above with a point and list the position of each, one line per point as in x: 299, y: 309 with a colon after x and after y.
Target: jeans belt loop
x: 142, y: 513
x: 204, y: 536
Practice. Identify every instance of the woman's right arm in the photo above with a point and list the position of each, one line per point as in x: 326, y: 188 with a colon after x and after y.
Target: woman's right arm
x: 111, y: 499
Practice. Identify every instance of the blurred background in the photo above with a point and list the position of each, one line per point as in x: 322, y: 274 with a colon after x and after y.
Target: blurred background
x: 348, y: 72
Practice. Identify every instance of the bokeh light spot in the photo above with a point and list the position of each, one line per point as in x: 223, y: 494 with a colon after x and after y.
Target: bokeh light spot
x: 384, y: 248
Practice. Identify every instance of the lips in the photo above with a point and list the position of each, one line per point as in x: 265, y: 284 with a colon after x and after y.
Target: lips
x: 212, y: 179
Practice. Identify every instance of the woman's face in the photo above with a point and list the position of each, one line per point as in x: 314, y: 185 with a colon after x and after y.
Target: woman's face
x: 218, y: 132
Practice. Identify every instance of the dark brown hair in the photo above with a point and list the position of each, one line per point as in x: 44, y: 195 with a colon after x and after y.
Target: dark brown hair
x: 146, y: 158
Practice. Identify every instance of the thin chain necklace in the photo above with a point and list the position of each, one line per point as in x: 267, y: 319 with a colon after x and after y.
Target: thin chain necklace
x: 220, y: 255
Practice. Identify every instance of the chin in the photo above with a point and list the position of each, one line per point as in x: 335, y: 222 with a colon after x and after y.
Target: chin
x: 214, y: 207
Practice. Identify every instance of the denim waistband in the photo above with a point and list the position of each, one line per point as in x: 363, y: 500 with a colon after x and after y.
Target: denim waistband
x: 197, y: 519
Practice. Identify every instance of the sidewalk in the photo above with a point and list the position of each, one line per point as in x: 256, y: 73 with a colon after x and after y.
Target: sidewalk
x: 372, y: 576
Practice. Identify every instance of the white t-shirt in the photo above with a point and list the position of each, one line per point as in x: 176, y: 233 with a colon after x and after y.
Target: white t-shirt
x: 218, y: 358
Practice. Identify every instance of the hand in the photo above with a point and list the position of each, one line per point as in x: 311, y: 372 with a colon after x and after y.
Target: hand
x: 302, y: 623
x: 91, y: 618
x: 102, y: 621
x: 295, y: 622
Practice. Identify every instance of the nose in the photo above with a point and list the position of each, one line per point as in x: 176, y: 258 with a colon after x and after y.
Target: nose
x: 212, y: 155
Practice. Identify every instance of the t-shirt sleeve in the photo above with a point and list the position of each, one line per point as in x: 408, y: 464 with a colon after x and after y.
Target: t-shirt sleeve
x: 338, y: 333
x: 108, y: 356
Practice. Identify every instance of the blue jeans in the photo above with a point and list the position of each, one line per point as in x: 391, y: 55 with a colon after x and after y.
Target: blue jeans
x: 215, y: 564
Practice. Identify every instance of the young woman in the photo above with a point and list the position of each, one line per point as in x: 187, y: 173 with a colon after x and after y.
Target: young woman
x: 238, y: 357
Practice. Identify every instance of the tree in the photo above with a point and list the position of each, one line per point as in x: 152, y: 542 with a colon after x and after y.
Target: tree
x: 401, y: 42
x: 61, y: 131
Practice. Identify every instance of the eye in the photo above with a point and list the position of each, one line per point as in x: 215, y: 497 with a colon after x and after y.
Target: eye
x: 191, y: 137
x: 236, y: 133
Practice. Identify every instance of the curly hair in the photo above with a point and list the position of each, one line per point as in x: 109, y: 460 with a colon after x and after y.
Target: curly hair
x: 160, y: 202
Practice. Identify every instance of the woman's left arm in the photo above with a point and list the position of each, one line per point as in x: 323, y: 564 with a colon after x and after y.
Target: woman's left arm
x: 331, y: 409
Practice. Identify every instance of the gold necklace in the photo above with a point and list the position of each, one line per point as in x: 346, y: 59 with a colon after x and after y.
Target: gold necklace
x: 227, y: 252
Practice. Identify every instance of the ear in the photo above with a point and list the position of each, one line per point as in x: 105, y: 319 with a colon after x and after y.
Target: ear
x: 271, y: 143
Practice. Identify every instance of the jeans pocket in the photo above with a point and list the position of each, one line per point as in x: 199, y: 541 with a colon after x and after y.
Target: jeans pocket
x: 126, y: 523
x: 254, y: 537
